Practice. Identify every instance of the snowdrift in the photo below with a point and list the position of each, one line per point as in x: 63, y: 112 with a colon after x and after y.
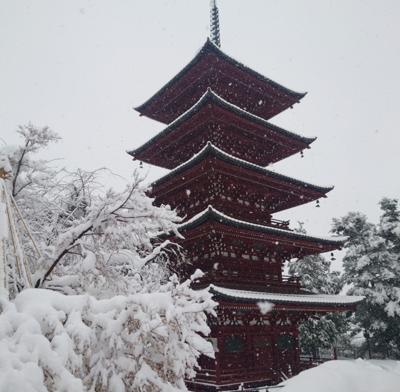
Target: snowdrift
x: 347, y: 376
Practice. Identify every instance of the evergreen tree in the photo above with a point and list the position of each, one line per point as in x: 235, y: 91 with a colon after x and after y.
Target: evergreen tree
x: 372, y: 269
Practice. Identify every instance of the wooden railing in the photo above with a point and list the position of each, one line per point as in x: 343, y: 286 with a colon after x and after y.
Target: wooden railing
x: 307, y: 362
x: 289, y: 284
x: 279, y: 224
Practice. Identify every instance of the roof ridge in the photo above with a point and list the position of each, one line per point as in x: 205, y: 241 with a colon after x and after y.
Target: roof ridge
x: 211, y: 94
x: 242, y: 65
x: 210, y: 45
x: 210, y: 211
x: 285, y: 297
x: 211, y: 147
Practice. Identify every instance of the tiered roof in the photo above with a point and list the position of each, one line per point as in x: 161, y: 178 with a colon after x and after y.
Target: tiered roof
x: 283, y: 192
x: 294, y: 302
x: 211, y: 214
x: 214, y: 119
x: 289, y: 244
x: 230, y: 79
x: 217, y: 142
x: 212, y: 150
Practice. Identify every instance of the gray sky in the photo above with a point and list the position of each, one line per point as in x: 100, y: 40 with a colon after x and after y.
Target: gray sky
x: 80, y: 66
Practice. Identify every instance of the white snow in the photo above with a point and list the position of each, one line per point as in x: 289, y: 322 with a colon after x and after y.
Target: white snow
x: 265, y: 306
x: 278, y: 297
x: 50, y: 342
x: 347, y: 376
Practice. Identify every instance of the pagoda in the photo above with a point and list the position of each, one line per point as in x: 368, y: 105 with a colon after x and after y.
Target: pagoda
x: 218, y: 141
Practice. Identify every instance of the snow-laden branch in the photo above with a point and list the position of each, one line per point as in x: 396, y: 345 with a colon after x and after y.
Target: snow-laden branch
x: 142, y: 342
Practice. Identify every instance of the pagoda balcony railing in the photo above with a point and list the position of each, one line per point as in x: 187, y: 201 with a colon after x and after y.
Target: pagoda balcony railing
x: 280, y: 224
x: 291, y: 280
x: 236, y: 376
x: 285, y: 284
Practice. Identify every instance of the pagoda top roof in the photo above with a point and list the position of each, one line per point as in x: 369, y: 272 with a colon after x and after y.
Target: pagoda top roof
x: 211, y: 213
x: 206, y: 70
x: 211, y: 97
x: 215, y: 151
x: 281, y: 298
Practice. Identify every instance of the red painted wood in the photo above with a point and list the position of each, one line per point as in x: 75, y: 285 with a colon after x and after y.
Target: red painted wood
x: 236, y: 191
x: 236, y: 84
x: 252, y: 348
x: 237, y: 135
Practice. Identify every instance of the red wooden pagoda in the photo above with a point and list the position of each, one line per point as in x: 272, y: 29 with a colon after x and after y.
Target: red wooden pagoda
x: 217, y: 141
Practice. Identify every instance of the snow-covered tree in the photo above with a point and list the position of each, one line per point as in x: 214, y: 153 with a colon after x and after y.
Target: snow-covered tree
x: 101, y: 237
x: 372, y: 269
x: 120, y: 320
x: 319, y: 331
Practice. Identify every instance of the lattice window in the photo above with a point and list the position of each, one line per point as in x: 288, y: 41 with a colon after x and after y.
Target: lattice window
x: 234, y: 344
x: 285, y: 342
x: 262, y: 342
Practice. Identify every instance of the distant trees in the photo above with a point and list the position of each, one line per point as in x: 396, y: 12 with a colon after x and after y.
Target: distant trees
x: 372, y: 269
x: 319, y: 331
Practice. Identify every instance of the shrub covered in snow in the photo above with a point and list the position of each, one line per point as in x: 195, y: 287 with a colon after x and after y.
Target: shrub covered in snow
x: 142, y: 342
x: 127, y: 324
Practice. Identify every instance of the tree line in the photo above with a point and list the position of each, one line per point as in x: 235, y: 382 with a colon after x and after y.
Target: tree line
x: 371, y: 268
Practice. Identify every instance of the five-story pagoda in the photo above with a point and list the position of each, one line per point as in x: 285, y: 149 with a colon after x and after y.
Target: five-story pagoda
x: 217, y: 142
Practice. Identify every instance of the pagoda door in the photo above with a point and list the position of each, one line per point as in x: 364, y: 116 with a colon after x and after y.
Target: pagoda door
x: 236, y: 358
x: 286, y: 347
x: 263, y: 354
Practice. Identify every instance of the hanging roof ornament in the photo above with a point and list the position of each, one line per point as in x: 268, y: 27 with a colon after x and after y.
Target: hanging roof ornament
x: 214, y: 23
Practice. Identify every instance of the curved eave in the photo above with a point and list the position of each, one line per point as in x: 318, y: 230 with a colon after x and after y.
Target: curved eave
x: 286, y: 299
x: 211, y: 149
x: 211, y: 96
x: 211, y: 47
x: 212, y: 214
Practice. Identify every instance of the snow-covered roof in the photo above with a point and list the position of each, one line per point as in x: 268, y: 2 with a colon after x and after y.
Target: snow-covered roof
x: 210, y: 148
x: 325, y: 299
x: 208, y: 96
x: 210, y: 47
x: 212, y: 213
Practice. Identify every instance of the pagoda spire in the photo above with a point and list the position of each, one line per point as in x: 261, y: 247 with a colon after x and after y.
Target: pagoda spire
x: 214, y: 23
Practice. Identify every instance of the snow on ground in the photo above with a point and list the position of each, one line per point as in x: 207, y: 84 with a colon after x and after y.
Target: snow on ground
x: 347, y: 376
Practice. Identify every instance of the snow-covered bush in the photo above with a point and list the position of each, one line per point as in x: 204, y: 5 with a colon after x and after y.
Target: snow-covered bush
x: 141, y: 342
x: 127, y: 324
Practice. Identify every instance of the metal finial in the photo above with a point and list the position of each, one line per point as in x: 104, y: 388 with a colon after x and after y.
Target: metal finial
x: 214, y: 23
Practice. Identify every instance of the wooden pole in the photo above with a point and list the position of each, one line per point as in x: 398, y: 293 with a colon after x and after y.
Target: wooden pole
x: 4, y: 229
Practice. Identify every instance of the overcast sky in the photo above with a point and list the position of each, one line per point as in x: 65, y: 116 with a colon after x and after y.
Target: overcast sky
x: 80, y: 66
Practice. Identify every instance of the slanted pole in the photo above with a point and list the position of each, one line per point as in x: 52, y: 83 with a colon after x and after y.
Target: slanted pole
x: 4, y: 229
